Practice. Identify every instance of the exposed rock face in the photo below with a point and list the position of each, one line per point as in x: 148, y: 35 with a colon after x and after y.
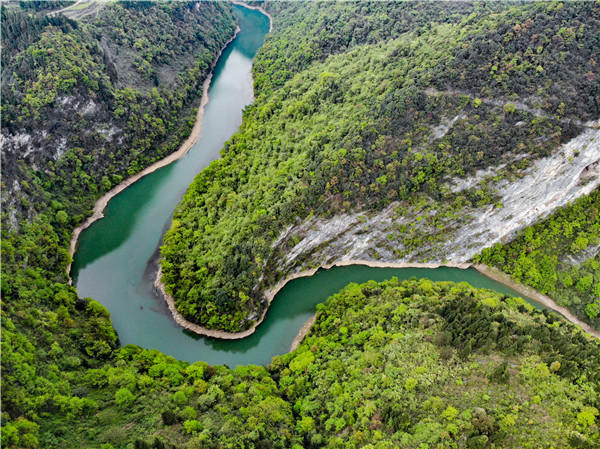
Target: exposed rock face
x: 37, y: 146
x: 591, y: 171
x: 587, y: 254
x: 442, y: 129
x: 547, y: 184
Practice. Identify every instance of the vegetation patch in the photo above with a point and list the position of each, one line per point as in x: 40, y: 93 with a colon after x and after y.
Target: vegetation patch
x: 558, y: 256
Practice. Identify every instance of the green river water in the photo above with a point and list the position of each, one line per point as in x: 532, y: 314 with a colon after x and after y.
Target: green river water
x: 116, y: 259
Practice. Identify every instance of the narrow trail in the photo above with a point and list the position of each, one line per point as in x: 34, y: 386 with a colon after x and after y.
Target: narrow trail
x: 77, y: 12
x: 54, y: 13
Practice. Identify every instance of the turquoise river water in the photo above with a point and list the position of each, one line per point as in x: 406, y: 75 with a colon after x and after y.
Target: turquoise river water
x: 116, y: 259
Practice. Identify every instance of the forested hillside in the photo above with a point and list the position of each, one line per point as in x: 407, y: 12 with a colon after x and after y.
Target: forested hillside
x: 400, y: 364
x: 373, y: 141
x: 559, y: 256
x: 84, y: 104
x: 75, y: 122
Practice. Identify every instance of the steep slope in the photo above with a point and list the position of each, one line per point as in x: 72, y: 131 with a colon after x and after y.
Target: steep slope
x: 72, y: 127
x: 102, y: 99
x: 309, y: 32
x: 375, y: 147
x: 559, y: 256
x: 528, y: 378
x: 422, y: 364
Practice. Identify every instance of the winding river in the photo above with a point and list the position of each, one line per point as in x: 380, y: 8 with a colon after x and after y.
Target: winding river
x: 116, y: 257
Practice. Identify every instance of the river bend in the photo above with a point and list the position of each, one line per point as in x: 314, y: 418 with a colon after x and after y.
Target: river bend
x: 116, y: 259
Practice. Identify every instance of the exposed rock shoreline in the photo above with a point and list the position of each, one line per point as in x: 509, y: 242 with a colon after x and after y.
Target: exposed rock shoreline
x: 272, y: 292
x: 548, y: 184
x: 159, y: 285
x: 103, y: 201
x: 304, y: 330
x: 193, y: 327
x: 497, y: 276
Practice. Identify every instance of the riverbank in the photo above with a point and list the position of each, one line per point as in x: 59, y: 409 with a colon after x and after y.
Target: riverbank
x: 272, y: 292
x: 270, y: 295
x: 489, y: 272
x: 103, y: 201
x: 160, y: 287
x: 546, y: 301
x: 302, y: 332
x: 261, y: 10
x: 193, y: 327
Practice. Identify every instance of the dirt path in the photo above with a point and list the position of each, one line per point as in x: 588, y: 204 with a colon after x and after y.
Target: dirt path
x: 77, y: 11
x: 54, y: 13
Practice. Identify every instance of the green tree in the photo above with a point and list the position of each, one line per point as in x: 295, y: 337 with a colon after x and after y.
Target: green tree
x: 123, y: 397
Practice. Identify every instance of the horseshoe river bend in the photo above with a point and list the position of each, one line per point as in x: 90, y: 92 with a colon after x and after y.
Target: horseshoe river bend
x: 117, y: 257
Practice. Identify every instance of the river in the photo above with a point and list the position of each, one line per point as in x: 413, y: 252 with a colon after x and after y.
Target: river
x: 116, y: 258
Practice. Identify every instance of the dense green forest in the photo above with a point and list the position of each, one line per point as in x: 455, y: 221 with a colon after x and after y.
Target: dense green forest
x: 41, y: 5
x: 74, y: 124
x: 85, y: 104
x: 344, y: 122
x: 558, y: 256
x: 397, y: 364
